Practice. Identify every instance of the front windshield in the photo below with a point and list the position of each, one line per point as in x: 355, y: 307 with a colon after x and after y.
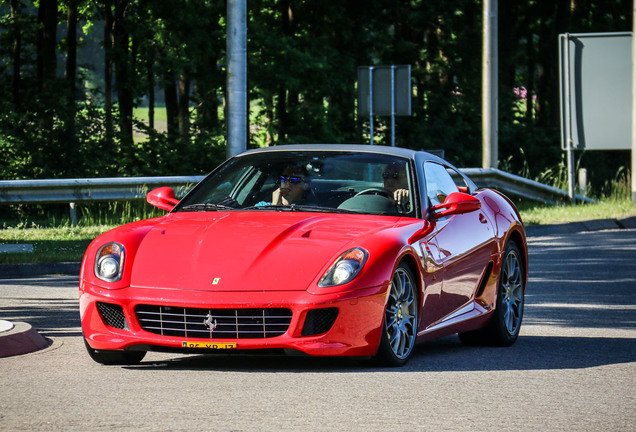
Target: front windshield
x: 326, y: 181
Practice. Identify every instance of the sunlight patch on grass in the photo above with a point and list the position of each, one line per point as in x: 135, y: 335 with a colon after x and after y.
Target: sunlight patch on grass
x: 63, y: 244
x: 609, y: 209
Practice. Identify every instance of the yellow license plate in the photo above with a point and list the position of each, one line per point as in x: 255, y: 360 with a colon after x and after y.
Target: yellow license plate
x: 209, y: 345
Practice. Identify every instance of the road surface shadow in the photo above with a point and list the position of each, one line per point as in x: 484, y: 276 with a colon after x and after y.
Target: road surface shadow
x: 445, y: 354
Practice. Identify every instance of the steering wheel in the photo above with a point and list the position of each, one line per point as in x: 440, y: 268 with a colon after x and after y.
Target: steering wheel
x: 401, y: 208
x: 376, y: 191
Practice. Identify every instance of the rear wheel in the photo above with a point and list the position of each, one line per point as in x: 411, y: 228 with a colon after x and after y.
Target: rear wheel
x: 114, y: 357
x: 503, y: 328
x: 399, y: 329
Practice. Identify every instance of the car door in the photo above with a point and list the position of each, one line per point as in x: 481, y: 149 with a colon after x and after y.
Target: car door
x: 464, y: 244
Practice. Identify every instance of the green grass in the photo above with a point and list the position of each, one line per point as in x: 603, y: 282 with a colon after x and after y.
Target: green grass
x: 141, y: 113
x: 607, y: 209
x: 65, y: 244
x: 55, y: 240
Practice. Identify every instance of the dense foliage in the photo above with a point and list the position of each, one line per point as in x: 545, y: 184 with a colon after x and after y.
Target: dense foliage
x: 73, y: 71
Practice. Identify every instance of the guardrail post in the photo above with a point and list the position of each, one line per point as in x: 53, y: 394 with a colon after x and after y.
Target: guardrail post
x: 73, y: 213
x: 583, y: 181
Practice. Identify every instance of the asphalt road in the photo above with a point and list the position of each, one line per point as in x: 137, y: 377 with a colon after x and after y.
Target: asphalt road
x: 573, y: 368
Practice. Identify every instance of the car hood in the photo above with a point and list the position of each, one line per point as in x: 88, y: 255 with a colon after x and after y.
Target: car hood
x: 246, y: 251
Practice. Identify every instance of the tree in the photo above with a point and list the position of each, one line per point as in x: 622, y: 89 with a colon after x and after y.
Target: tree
x: 302, y: 58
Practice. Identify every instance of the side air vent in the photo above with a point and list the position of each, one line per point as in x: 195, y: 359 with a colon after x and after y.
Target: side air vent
x: 319, y: 321
x: 113, y: 315
x: 484, y: 279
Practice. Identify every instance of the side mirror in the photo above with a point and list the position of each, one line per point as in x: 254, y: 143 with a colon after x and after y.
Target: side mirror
x: 455, y: 203
x: 163, y: 198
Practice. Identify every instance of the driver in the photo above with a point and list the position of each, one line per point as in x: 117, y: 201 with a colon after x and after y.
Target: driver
x: 395, y: 181
x: 294, y: 184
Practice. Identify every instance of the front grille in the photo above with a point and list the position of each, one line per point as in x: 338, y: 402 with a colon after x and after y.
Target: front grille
x: 214, y: 323
x: 319, y: 321
x: 113, y: 315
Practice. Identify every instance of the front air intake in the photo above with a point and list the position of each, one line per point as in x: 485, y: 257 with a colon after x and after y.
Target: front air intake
x: 319, y: 321
x: 113, y: 315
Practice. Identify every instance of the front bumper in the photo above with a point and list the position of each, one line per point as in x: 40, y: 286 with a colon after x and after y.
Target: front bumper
x: 354, y: 332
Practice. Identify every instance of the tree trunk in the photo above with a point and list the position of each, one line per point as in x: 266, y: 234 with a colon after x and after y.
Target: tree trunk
x: 530, y: 79
x: 184, y: 106
x: 123, y: 73
x: 172, y: 107
x: 108, y: 72
x: 71, y: 48
x: 268, y: 101
x: 281, y: 108
x: 151, y: 95
x: 46, y: 60
x: 71, y: 76
x: 554, y: 21
x: 507, y: 68
x: 17, y: 49
x: 287, y: 22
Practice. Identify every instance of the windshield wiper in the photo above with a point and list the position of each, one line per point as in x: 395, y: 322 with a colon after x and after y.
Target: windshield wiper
x: 206, y: 207
x: 269, y: 207
x: 319, y: 209
x: 300, y: 207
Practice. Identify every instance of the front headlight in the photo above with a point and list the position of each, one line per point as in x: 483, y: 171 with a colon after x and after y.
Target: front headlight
x: 109, y: 262
x: 345, y: 268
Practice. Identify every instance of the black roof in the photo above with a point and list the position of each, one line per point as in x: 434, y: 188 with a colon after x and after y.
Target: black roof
x: 365, y: 148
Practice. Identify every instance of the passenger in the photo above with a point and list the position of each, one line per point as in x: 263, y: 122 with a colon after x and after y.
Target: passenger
x: 395, y: 181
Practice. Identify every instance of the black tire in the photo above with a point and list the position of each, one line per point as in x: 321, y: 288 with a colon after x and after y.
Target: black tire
x: 399, y: 327
x: 503, y: 328
x: 114, y: 357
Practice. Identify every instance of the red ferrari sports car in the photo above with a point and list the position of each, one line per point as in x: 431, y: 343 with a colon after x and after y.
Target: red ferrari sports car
x: 326, y: 250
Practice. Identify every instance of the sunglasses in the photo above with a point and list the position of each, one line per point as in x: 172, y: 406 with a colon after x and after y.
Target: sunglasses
x: 291, y: 179
x: 387, y: 175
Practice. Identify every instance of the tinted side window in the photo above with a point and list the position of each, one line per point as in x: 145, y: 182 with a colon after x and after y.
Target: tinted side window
x: 459, y: 180
x: 439, y: 183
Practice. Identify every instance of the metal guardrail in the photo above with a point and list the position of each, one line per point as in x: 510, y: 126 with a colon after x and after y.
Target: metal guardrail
x: 95, y: 189
x: 518, y: 186
x: 131, y: 188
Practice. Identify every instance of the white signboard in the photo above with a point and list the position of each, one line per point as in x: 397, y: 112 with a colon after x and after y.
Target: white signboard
x: 596, y: 91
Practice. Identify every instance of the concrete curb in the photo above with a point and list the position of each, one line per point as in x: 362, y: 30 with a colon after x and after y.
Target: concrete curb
x: 39, y: 269
x: 20, y: 339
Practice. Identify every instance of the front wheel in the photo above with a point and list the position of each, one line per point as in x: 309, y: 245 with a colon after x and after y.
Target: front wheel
x: 114, y: 357
x: 399, y: 328
x: 503, y: 328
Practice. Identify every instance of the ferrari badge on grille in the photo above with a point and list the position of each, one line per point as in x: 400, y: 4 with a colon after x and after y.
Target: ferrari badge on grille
x: 210, y: 323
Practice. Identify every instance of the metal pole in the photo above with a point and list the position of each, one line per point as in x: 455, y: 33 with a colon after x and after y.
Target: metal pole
x: 569, y: 148
x: 393, y: 105
x: 633, y: 170
x: 371, y: 104
x: 489, y: 86
x: 236, y: 76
